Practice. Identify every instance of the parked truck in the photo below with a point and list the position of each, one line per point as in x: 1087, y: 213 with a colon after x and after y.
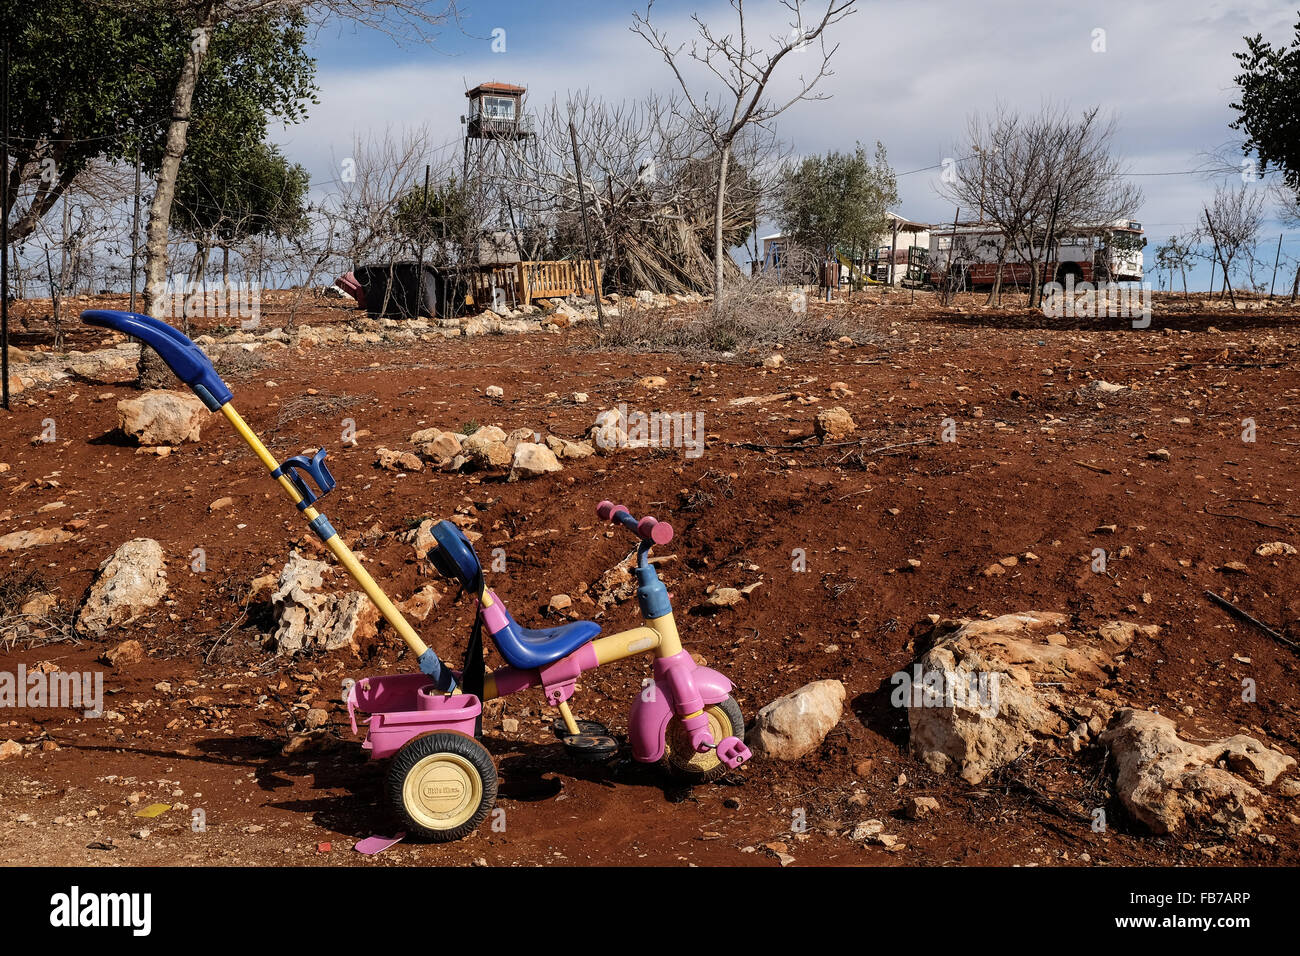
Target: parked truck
x: 968, y: 257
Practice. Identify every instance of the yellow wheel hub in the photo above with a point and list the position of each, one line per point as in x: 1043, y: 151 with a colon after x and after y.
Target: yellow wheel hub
x: 679, y: 741
x: 442, y: 791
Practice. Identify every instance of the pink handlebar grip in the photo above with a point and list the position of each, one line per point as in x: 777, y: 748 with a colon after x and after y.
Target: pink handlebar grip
x: 647, y: 529
x: 606, y: 510
x: 657, y: 532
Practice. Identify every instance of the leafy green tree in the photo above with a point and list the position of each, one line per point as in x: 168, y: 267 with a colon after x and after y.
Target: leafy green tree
x: 1266, y: 113
x: 835, y: 201
x: 91, y: 79
x: 226, y: 196
x: 442, y: 221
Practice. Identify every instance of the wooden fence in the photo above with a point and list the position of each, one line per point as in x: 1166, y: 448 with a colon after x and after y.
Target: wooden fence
x: 522, y: 282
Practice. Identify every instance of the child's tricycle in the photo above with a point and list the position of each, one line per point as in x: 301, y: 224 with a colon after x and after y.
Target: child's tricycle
x: 442, y: 780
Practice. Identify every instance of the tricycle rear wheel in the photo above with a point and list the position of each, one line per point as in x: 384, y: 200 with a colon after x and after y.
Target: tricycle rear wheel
x: 442, y: 785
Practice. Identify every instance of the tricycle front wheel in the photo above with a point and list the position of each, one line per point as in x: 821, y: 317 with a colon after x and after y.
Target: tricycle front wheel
x: 442, y: 785
x: 725, y: 720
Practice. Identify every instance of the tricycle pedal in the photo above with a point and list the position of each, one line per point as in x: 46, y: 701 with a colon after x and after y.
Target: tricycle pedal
x: 591, y: 727
x: 733, y: 752
x: 590, y: 748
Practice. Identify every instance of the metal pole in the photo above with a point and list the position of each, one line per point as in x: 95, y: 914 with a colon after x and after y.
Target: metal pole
x: 424, y: 217
x: 135, y: 221
x: 582, y: 202
x: 893, y: 252
x: 4, y: 248
x: 1276, y: 259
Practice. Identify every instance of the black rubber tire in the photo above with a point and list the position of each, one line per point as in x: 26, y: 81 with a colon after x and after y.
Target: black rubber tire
x: 689, y: 769
x: 457, y: 745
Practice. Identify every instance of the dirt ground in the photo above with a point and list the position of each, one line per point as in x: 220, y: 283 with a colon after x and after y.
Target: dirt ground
x: 1040, y: 464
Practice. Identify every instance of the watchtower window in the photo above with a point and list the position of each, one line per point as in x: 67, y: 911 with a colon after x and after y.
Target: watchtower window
x: 498, y: 107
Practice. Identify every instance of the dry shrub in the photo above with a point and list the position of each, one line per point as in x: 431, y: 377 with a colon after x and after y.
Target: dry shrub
x: 750, y: 313
x: 33, y: 630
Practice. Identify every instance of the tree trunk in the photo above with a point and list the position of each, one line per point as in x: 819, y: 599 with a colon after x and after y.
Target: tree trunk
x: 723, y: 159
x: 154, y: 373
x: 196, y: 302
x: 995, y: 293
x: 1295, y: 286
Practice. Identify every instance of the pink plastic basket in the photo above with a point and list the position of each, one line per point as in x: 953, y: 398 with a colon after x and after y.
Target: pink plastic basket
x: 404, y: 706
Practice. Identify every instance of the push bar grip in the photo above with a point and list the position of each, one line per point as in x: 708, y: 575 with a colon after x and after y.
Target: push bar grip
x: 647, y: 529
x: 181, y: 355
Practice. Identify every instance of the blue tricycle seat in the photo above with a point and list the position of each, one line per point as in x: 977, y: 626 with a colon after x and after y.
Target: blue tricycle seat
x: 522, y: 647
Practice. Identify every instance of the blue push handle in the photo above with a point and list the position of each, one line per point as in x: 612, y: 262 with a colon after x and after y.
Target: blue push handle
x: 181, y: 355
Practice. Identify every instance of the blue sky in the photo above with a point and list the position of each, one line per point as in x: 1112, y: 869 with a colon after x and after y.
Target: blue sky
x: 908, y: 72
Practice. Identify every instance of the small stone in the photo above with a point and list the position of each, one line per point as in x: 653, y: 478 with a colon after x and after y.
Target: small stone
x: 128, y: 652
x: 1272, y: 549
x: 834, y: 424
x: 724, y: 597
x: 914, y: 808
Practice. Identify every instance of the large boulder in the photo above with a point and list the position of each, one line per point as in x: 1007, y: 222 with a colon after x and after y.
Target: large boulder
x: 1169, y: 784
x: 403, y: 461
x: 33, y: 538
x: 609, y: 433
x: 796, y: 724
x: 564, y: 448
x: 985, y: 692
x: 834, y: 424
x: 107, y: 366
x: 132, y: 580
x: 436, y: 445
x: 486, y: 448
x: 531, y: 460
x: 308, y: 616
x: 161, y: 417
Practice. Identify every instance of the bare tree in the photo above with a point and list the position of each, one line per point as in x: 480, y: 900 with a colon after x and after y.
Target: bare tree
x: 744, y: 70
x: 1233, y: 221
x: 650, y: 194
x: 1031, y: 175
x: 1288, y: 212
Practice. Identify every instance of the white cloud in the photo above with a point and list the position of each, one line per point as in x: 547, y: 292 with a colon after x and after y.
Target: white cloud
x: 908, y: 72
